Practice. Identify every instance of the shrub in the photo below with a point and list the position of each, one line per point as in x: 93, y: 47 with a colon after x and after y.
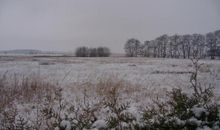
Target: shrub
x: 185, y: 112
x: 119, y: 118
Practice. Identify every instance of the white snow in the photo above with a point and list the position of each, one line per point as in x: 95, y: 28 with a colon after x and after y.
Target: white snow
x: 99, y: 124
x: 198, y: 111
x: 65, y: 124
x: 151, y: 78
x: 204, y: 128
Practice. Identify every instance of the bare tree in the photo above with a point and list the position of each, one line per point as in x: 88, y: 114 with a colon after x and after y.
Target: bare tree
x: 132, y: 47
x: 93, y: 52
x: 162, y: 42
x: 198, y: 44
x: 146, y: 49
x: 103, y: 52
x: 82, y: 52
x: 217, y: 35
x: 154, y: 48
x: 187, y: 41
x: 211, y: 41
x: 173, y: 46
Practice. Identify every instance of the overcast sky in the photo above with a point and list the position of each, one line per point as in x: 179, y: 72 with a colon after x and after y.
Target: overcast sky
x: 63, y: 25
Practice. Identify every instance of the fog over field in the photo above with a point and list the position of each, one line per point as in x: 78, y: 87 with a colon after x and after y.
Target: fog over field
x: 56, y: 25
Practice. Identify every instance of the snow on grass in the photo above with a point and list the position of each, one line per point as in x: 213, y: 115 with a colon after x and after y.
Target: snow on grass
x: 143, y: 79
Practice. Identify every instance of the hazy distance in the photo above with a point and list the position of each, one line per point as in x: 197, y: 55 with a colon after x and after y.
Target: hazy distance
x: 63, y: 25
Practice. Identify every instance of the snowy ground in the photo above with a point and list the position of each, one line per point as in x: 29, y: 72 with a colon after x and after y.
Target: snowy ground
x: 152, y: 77
x: 154, y: 73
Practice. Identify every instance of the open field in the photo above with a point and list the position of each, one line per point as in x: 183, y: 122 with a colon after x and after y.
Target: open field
x: 88, y: 81
x: 154, y: 73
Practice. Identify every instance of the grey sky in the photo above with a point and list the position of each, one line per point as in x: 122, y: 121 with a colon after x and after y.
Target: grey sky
x: 63, y: 25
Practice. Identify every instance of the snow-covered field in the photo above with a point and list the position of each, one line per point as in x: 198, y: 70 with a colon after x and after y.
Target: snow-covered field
x: 145, y: 78
x: 147, y: 72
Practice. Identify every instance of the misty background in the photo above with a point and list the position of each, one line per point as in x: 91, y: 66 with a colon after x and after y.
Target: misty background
x: 63, y: 25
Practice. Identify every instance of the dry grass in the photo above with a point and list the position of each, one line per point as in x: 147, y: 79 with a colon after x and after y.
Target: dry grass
x: 106, y: 85
x: 33, y: 88
x: 52, y: 104
x: 22, y: 89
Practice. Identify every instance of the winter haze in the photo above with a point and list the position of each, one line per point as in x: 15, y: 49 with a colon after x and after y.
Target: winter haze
x: 109, y: 64
x: 63, y: 25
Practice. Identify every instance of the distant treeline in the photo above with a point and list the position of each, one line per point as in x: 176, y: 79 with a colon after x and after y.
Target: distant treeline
x: 176, y: 46
x: 92, y: 52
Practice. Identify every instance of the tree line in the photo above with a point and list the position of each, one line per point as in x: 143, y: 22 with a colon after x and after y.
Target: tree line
x: 176, y: 46
x: 92, y: 52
